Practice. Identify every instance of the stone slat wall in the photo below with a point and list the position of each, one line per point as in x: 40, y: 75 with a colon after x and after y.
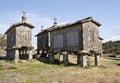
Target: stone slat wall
x: 68, y: 38
x: 90, y: 36
x: 23, y: 36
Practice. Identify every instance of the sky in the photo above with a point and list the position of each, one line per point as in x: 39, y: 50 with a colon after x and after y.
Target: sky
x: 42, y: 12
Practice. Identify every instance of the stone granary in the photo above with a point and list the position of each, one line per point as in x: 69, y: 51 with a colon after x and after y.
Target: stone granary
x: 81, y: 37
x: 19, y: 40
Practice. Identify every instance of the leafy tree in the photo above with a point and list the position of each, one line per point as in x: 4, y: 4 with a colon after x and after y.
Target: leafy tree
x: 111, y: 47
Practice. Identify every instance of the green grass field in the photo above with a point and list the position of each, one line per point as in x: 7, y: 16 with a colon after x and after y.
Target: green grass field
x: 38, y: 72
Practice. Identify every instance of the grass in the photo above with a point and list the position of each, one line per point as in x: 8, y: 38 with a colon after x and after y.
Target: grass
x: 38, y: 72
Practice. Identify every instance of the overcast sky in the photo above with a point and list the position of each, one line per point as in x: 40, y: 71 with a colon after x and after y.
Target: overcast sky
x: 42, y: 12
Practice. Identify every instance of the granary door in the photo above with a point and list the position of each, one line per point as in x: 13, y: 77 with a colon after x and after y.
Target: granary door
x: 58, y: 42
x: 72, y: 40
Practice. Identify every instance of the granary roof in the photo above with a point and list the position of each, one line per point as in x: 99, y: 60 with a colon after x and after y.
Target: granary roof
x: 24, y: 19
x: 88, y: 19
x: 13, y: 26
x: 100, y: 38
x: 52, y: 28
x: 41, y: 32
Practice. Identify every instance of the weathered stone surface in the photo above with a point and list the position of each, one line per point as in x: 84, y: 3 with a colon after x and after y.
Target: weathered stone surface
x: 68, y: 38
x: 80, y: 35
x: 30, y: 54
x: 97, y: 58
x: 19, y: 40
x: 42, y: 41
x: 51, y: 57
x: 82, y: 58
x: 16, y: 56
x: 65, y: 58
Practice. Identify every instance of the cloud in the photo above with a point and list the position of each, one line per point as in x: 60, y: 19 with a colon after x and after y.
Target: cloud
x: 117, y: 31
x: 38, y: 19
x: 114, y: 35
x: 6, y: 20
x: 112, y: 38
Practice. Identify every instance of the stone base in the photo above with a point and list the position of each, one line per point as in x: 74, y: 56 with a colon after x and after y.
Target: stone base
x: 97, y: 58
x: 65, y: 59
x: 51, y: 57
x: 82, y: 58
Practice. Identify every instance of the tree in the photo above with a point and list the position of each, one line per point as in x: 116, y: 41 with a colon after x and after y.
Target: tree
x: 111, y: 47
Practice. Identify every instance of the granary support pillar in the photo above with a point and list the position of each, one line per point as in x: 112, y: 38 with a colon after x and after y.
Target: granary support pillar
x: 16, y: 55
x: 38, y: 52
x: 97, y: 58
x: 78, y: 59
x: 51, y: 57
x: 65, y: 57
x: 82, y: 58
x: 30, y: 54
x: 8, y: 54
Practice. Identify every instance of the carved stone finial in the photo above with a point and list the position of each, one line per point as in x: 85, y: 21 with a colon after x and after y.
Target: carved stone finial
x: 24, y: 17
x: 24, y: 12
x: 42, y: 27
x: 55, y: 22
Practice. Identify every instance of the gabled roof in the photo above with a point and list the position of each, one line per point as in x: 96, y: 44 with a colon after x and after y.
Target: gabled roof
x: 45, y: 30
x: 88, y: 19
x: 19, y: 24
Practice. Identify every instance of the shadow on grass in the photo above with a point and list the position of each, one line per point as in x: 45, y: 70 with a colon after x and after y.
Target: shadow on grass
x: 56, y: 61
x: 118, y: 64
x: 46, y: 60
x: 2, y: 57
x: 113, y: 58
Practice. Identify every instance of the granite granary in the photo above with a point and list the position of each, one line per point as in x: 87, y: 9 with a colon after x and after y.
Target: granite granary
x: 81, y: 37
x: 19, y: 40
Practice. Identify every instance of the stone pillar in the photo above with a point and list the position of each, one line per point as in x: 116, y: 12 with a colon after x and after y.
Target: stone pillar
x: 82, y: 58
x: 16, y: 55
x: 7, y: 54
x: 25, y: 51
x: 51, y: 57
x: 97, y: 58
x: 65, y: 57
x: 20, y: 52
x: 10, y: 55
x: 38, y: 52
x: 30, y: 55
x: 78, y: 59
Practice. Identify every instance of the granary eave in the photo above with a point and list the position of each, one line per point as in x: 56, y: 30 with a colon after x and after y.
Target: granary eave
x: 100, y: 38
x: 41, y: 32
x: 59, y: 27
x: 88, y: 19
x: 45, y: 30
x: 19, y: 24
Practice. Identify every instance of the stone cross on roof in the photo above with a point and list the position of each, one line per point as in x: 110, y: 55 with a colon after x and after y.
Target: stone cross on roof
x: 42, y: 27
x: 24, y: 17
x: 55, y: 22
x: 24, y: 12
